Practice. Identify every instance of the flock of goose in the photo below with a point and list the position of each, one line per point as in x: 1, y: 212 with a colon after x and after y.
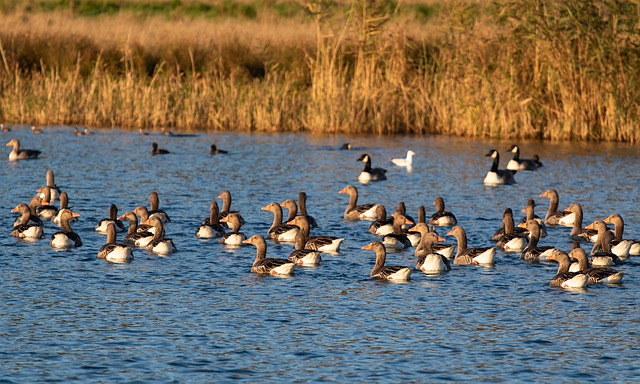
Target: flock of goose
x: 146, y: 229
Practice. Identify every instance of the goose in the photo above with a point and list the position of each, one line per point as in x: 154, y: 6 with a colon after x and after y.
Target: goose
x: 24, y: 228
x: 397, y: 240
x: 279, y: 231
x: 66, y: 238
x: 158, y: 151
x: 601, y: 255
x: 113, y: 252
x: 445, y: 250
x: 235, y: 237
x: 431, y: 261
x: 402, y: 209
x: 154, y: 204
x: 215, y: 151
x: 77, y: 132
x: 159, y: 244
x: 316, y: 243
x: 53, y: 188
x: 345, y: 147
x: 497, y: 176
x: 211, y: 228
x: 511, y: 241
x: 268, y: 266
x: 413, y: 235
x: 302, y: 203
x: 393, y: 273
x: 86, y: 131
x: 500, y: 232
x: 578, y: 233
x: 226, y: 205
x: 142, y: 132
x: 166, y: 132
x: 35, y: 130
x: 358, y: 212
x: 144, y: 225
x: 46, y: 211
x: 382, y: 226
x: 595, y: 275
x: 292, y: 207
x: 33, y: 218
x: 468, y: 256
x: 618, y: 244
x: 4, y: 129
x: 532, y: 252
x: 134, y: 235
x: 563, y: 277
x: 517, y: 164
x: 302, y: 256
x: 113, y: 218
x: 370, y: 174
x: 21, y: 154
x: 553, y: 216
x: 404, y: 162
x: 529, y: 211
x: 441, y: 217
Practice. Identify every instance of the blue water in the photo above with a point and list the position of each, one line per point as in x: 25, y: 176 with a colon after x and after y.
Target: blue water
x: 199, y: 315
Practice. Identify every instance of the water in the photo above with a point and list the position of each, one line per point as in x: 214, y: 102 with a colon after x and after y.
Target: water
x: 199, y: 315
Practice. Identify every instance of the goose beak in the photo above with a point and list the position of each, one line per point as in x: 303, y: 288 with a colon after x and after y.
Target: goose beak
x: 343, y: 190
x: 291, y: 222
x: 440, y: 238
x: 368, y: 246
x: 246, y: 241
x: 409, y: 222
x: 224, y: 220
x: 450, y: 233
x: 14, y: 209
x: 121, y: 217
x: 591, y: 226
x: 265, y: 208
x: 75, y: 214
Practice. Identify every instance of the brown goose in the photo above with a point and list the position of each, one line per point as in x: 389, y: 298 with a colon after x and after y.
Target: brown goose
x: 211, y: 228
x: 113, y: 218
x: 358, y: 212
x: 64, y: 203
x: 563, y: 277
x: 33, y: 218
x: 235, y: 237
x: 397, y: 240
x: 268, y: 266
x: 442, y: 217
x: 596, y: 275
x: 468, y: 256
x: 51, y: 183
x: 413, y: 235
x: 66, y: 238
x: 497, y: 235
x: 302, y: 203
x: 21, y: 154
x: 393, y: 273
x: 154, y: 208
x: 529, y: 211
x: 316, y: 243
x: 621, y: 247
x: 601, y: 255
x: 303, y: 256
x: 226, y: 205
x: 431, y: 261
x: 113, y: 252
x: 134, y: 235
x: 279, y: 231
x: 511, y: 241
x: 532, y: 252
x: 445, y: 250
x: 46, y: 211
x: 383, y: 225
x: 578, y: 233
x: 23, y: 227
x: 144, y: 225
x: 159, y: 244
x: 553, y: 216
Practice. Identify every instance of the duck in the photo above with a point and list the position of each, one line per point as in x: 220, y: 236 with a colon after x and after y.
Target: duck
x: 618, y: 244
x: 302, y: 203
x: 66, y: 238
x: 345, y: 147
x: 235, y: 237
x: 445, y: 250
x: 578, y: 233
x: 431, y: 261
x: 497, y: 176
x: 358, y: 212
x: 53, y: 188
x: 532, y: 252
x: 383, y: 225
x: 211, y: 227
x: 316, y: 243
x: 529, y: 211
x: 497, y: 235
x: 370, y: 174
x: 302, y: 256
x: 24, y: 228
x: 144, y: 225
x: 517, y: 164
x: 46, y: 211
x: 154, y: 208
x: 159, y: 244
x: 113, y: 218
x: 595, y: 275
x: 266, y: 265
x: 279, y: 231
x: 112, y: 251
x: 404, y: 162
x: 21, y: 154
x: 442, y: 218
x: 393, y: 273
x: 158, y: 151
x: 553, y: 216
x: 35, y: 130
x: 601, y: 255
x: 134, y: 235
x: 397, y: 240
x: 468, y: 256
x: 215, y: 151
x: 226, y: 205
x: 511, y: 241
x: 563, y: 277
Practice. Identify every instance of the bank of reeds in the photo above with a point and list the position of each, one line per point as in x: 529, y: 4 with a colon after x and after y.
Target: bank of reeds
x: 554, y: 70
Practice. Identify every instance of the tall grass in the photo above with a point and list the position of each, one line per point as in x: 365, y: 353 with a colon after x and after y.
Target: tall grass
x: 514, y: 69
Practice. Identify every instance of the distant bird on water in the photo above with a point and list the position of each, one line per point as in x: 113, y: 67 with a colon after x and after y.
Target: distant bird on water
x: 216, y: 151
x: 345, y: 146
x: 4, y: 129
x: 158, y: 151
x: 21, y: 154
x: 35, y: 131
x: 404, y: 162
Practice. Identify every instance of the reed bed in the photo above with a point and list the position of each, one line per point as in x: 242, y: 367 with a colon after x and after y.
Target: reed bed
x: 551, y: 70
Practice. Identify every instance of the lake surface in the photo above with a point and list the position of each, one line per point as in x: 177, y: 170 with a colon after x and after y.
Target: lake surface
x: 199, y: 315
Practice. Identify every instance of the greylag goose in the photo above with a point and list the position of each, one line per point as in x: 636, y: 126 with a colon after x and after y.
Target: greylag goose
x: 33, y: 218
x: 578, y: 233
x: 382, y: 226
x: 316, y: 243
x: 24, y: 228
x: 468, y: 256
x: 292, y: 207
x: 211, y: 228
x: 518, y: 164
x: 266, y: 265
x: 529, y: 211
x: 302, y: 256
x: 46, y: 211
x: 21, y: 154
x: 144, y: 225
x: 158, y: 151
x: 66, y: 238
x: 441, y: 217
x: 511, y: 241
x: 601, y: 255
x: 393, y: 273
x: 500, y: 232
x: 113, y: 218
x: 159, y: 244
x: 279, y: 231
x: 445, y: 250
x: 431, y: 261
x: 397, y: 239
x: 553, y: 216
x: 112, y: 251
x: 532, y: 252
x: 415, y: 236
x: 134, y: 235
x: 226, y: 205
x: 618, y: 244
x: 596, y: 275
x: 64, y: 203
x: 497, y: 176
x: 370, y: 174
x: 154, y: 208
x: 235, y: 237
x: 51, y: 183
x: 563, y: 277
x: 404, y: 162
x: 358, y: 212
x: 302, y: 203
